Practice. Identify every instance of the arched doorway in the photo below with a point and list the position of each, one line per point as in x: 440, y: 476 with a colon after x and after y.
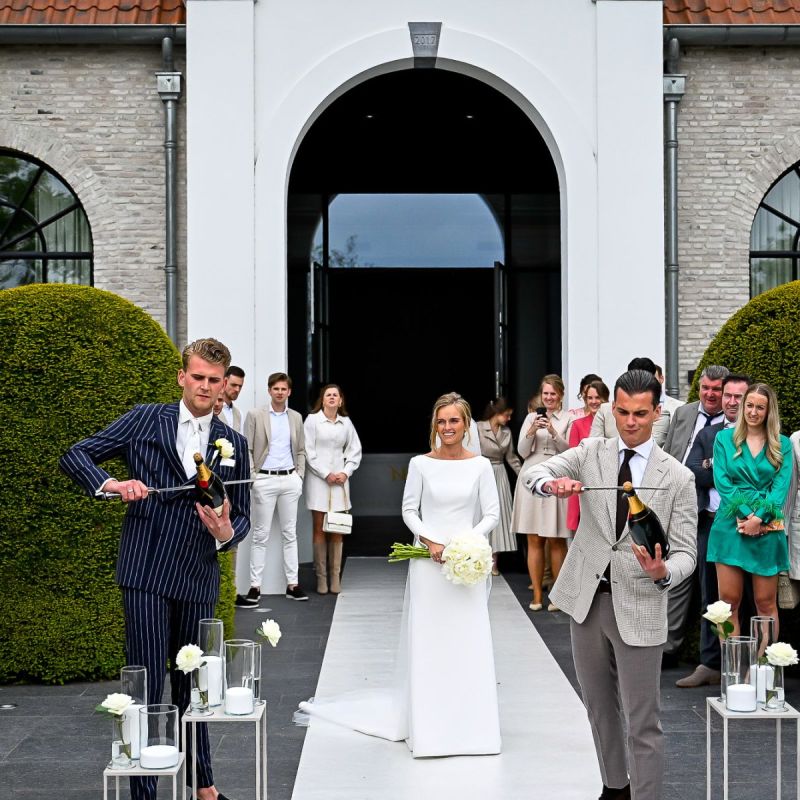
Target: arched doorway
x: 421, y: 150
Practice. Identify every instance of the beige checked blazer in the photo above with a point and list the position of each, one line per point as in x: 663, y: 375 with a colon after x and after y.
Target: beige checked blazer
x: 640, y: 607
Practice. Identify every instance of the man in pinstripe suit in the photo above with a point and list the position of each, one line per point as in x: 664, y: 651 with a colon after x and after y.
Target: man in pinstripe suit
x: 167, y: 566
x: 615, y: 593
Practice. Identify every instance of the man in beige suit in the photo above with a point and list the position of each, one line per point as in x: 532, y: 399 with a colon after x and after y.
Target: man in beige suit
x: 604, y: 423
x: 614, y: 591
x: 277, y: 446
x: 229, y: 414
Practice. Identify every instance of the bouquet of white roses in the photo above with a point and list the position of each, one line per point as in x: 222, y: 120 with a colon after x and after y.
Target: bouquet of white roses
x: 467, y: 559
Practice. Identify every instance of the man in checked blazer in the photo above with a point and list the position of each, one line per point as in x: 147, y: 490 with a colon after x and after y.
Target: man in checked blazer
x: 167, y: 566
x: 614, y: 591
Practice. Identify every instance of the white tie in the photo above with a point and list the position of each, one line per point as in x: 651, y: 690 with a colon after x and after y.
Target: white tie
x: 192, y: 447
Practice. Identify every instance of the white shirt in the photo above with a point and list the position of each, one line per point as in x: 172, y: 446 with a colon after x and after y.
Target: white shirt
x: 227, y: 414
x: 279, y: 455
x: 638, y: 463
x: 185, y: 428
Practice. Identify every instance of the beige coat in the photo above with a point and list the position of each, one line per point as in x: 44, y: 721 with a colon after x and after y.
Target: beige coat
x: 640, y: 606
x: 540, y: 515
x: 257, y: 429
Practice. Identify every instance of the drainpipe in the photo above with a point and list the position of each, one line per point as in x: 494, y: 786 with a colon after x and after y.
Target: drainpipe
x: 674, y: 88
x: 168, y: 83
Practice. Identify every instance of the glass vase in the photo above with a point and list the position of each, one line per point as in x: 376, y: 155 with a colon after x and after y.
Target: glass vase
x: 239, y: 676
x: 740, y: 694
x: 199, y: 693
x: 775, y: 696
x: 158, y: 736
x: 120, y: 743
x: 257, y: 699
x: 210, y: 640
x: 762, y: 630
x: 133, y: 682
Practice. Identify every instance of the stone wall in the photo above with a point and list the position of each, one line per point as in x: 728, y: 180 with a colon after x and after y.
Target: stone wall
x: 92, y: 114
x: 739, y: 130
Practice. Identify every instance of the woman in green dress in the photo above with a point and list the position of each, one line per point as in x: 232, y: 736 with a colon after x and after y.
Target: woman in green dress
x: 752, y: 473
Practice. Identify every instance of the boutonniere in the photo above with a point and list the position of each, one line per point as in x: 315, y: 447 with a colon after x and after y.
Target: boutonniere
x: 225, y: 453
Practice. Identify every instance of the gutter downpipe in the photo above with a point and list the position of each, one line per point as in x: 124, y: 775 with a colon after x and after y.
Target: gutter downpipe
x: 168, y: 83
x: 674, y: 88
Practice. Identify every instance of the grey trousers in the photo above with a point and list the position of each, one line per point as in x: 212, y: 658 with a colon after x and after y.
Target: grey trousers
x: 620, y: 685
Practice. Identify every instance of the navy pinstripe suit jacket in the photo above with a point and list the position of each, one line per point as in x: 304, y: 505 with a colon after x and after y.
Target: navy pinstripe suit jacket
x: 164, y: 548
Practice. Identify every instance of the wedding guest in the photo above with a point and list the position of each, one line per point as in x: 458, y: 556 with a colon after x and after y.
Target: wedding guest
x: 583, y: 410
x: 167, y: 567
x: 595, y: 393
x: 234, y: 381
x: 615, y: 593
x: 543, y: 519
x: 497, y: 445
x: 333, y: 454
x: 752, y: 473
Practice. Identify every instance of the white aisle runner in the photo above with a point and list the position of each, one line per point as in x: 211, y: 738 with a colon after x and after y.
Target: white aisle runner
x: 547, y: 743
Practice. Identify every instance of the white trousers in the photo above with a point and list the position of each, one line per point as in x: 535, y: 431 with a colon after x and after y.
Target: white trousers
x: 269, y: 492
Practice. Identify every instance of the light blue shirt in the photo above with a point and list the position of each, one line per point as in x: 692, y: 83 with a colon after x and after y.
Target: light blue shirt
x: 279, y: 455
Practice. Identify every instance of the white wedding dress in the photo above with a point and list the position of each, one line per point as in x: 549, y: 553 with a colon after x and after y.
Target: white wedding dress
x: 444, y: 701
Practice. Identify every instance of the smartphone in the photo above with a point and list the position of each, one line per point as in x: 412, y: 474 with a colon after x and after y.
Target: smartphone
x: 541, y: 411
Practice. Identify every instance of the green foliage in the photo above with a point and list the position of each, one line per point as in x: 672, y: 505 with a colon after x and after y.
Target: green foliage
x: 762, y: 340
x: 74, y: 358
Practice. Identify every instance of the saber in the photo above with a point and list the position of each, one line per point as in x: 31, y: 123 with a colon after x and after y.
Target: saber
x: 168, y: 489
x: 622, y: 488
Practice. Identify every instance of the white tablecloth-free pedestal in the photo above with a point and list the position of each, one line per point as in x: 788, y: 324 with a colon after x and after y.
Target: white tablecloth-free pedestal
x: 139, y: 772
x: 715, y: 704
x: 258, y: 718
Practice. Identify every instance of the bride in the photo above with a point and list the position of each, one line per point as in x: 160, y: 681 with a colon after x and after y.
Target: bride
x: 445, y: 697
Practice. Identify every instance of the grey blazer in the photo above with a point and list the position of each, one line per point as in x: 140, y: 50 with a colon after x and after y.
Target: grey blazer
x: 640, y: 606
x: 681, y: 429
x: 257, y: 429
x: 604, y: 424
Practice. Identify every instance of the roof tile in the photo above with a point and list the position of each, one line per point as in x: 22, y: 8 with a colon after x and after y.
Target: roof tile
x: 731, y: 12
x: 92, y: 12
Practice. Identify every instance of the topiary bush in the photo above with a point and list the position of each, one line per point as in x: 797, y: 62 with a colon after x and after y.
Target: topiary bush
x: 74, y: 358
x: 762, y: 340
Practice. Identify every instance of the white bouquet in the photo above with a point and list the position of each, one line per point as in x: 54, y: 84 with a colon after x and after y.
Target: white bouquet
x: 467, y: 559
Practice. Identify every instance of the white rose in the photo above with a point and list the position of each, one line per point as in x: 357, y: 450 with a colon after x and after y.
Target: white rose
x: 189, y: 658
x: 781, y: 654
x: 117, y: 703
x: 718, y: 612
x: 270, y: 630
x: 225, y: 448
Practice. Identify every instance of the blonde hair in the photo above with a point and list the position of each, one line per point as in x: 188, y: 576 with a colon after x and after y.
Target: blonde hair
x: 210, y: 350
x: 451, y: 399
x: 772, y: 424
x: 556, y: 382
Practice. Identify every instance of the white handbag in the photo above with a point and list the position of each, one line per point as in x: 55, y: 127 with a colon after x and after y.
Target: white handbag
x: 337, y: 521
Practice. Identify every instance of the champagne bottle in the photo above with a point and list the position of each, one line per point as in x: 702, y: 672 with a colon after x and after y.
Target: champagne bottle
x: 209, y: 489
x: 645, y: 526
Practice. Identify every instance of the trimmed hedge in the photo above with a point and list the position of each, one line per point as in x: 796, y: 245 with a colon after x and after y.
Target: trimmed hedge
x: 762, y: 340
x: 74, y: 358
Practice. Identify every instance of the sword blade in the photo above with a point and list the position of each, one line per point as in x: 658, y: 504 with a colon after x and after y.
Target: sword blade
x: 184, y: 488
x: 619, y: 488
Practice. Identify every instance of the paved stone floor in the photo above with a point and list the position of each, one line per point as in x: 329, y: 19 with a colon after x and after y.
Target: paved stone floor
x: 52, y: 745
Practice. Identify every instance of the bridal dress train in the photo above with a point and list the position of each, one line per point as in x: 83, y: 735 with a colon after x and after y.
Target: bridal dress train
x: 444, y: 700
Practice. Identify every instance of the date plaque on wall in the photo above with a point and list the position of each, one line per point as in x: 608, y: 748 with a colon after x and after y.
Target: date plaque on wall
x: 425, y: 42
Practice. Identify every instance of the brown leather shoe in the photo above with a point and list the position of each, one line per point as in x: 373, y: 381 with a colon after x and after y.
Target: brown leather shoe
x: 702, y: 676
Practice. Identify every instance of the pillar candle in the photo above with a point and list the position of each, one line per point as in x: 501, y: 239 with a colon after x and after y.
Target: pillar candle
x: 740, y: 697
x: 214, y: 664
x: 131, y: 728
x: 238, y: 700
x: 158, y: 756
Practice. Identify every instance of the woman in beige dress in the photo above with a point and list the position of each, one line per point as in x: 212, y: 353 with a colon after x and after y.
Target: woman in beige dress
x: 543, y: 519
x: 497, y: 445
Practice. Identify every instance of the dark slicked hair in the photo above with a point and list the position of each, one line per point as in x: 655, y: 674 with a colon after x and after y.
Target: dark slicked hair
x: 638, y: 381
x: 237, y: 372
x: 643, y: 363
x: 733, y: 377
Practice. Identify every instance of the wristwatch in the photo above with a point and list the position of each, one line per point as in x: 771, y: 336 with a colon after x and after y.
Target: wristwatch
x: 665, y: 581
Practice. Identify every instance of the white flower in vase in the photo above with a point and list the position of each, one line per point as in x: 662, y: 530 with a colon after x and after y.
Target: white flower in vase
x: 270, y: 630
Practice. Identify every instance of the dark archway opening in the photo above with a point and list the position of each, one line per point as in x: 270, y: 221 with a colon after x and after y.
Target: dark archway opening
x: 397, y: 329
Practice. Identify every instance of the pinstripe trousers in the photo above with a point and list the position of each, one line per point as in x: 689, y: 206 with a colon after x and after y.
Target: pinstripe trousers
x: 156, y: 628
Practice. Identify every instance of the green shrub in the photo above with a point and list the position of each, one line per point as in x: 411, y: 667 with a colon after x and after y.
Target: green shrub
x: 762, y: 340
x: 73, y: 358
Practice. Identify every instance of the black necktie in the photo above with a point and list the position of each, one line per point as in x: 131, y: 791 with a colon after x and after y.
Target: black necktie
x: 622, y: 501
x: 708, y: 417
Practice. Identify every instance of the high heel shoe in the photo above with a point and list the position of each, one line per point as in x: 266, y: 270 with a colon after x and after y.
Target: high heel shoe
x: 535, y: 606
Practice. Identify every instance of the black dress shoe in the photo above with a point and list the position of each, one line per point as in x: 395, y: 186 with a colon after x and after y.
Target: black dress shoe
x: 616, y: 794
x: 221, y: 796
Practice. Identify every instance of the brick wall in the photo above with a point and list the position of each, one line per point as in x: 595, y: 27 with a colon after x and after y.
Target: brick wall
x: 739, y: 129
x: 94, y: 116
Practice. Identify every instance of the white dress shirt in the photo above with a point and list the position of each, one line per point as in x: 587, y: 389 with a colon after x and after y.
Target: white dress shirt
x: 279, y: 455
x: 638, y: 463
x: 185, y: 418
x: 227, y: 414
x: 699, y: 424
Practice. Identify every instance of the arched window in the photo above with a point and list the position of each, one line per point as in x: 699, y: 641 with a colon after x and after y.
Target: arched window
x: 44, y: 232
x: 774, y: 237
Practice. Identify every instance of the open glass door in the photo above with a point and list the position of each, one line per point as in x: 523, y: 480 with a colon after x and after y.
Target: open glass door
x: 500, y: 329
